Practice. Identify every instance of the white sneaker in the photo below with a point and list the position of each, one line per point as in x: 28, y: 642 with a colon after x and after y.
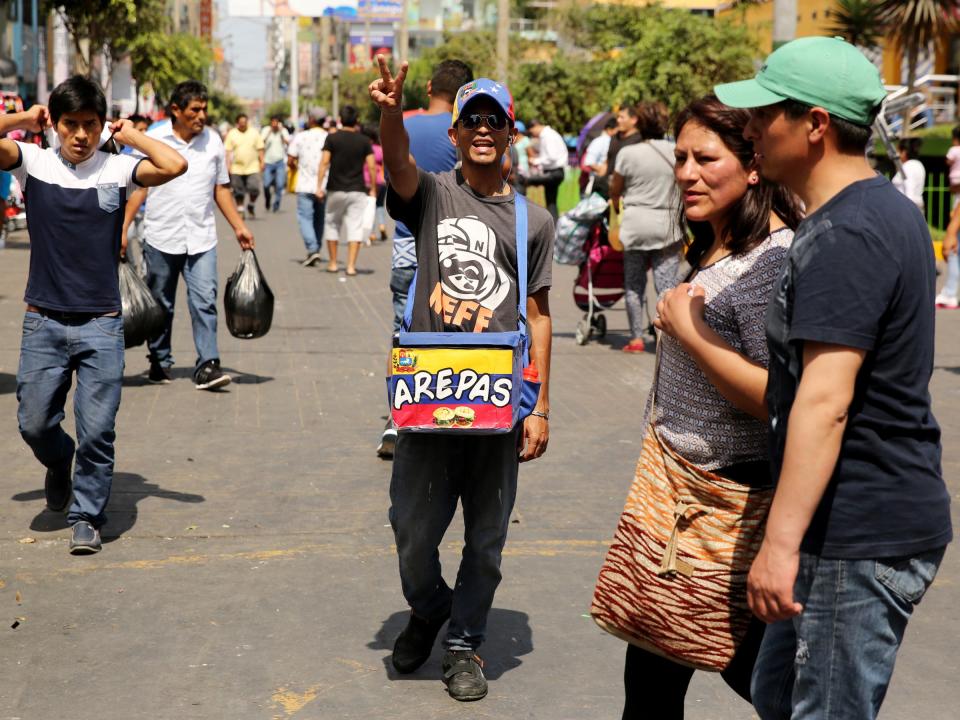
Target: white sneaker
x: 388, y: 443
x: 946, y: 302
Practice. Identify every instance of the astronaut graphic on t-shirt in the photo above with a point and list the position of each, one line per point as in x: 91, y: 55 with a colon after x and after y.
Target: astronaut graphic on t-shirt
x: 467, y: 267
x: 472, y: 286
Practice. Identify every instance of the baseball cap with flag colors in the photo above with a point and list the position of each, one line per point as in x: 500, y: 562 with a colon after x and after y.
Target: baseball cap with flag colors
x: 818, y: 71
x: 478, y: 88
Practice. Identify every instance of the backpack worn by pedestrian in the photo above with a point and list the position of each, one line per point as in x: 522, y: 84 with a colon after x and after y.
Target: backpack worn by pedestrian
x: 143, y: 317
x: 455, y: 382
x: 248, y: 300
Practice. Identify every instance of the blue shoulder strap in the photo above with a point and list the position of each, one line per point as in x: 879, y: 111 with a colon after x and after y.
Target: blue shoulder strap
x: 520, y: 205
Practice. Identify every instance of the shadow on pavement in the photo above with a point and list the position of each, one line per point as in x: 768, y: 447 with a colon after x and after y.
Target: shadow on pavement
x: 509, y: 637
x: 186, y: 373
x: 128, y: 489
x: 242, y: 378
x: 8, y: 383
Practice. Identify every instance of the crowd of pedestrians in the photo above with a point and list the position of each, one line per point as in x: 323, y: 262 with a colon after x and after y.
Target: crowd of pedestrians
x: 794, y: 336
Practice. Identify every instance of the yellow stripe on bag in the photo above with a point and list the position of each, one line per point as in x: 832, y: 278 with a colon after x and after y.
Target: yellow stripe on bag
x: 432, y: 360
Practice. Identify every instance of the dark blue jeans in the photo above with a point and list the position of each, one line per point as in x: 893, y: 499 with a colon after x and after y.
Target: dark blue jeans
x: 200, y: 273
x: 310, y: 217
x: 51, y: 351
x: 834, y: 661
x: 274, y: 183
x: 430, y: 473
x: 400, y: 281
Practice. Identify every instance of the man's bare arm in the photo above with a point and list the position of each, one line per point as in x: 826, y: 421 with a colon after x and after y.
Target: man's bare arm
x: 36, y: 119
x: 815, y: 430
x: 136, y: 199
x: 536, y: 429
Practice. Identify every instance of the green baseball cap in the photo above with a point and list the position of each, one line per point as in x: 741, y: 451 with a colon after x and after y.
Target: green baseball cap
x: 818, y: 71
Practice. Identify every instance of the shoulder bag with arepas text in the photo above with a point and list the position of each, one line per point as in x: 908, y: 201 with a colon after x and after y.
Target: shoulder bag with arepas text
x: 462, y: 382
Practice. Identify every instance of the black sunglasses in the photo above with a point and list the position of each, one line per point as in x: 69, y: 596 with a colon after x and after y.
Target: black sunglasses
x: 494, y: 121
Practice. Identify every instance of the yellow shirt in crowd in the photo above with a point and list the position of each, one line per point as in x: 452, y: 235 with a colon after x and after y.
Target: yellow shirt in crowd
x: 244, y: 150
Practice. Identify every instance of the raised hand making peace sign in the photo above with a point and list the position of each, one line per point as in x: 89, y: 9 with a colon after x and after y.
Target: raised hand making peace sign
x: 387, y: 90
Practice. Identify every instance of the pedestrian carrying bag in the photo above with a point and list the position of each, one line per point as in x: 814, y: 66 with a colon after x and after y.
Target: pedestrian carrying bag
x: 674, y: 581
x: 143, y: 317
x: 463, y: 382
x: 248, y: 300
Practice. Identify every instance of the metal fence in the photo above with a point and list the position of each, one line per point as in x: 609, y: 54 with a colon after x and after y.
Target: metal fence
x: 936, y: 200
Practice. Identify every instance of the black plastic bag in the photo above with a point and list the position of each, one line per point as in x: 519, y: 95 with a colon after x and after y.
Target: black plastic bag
x: 247, y: 299
x: 143, y: 317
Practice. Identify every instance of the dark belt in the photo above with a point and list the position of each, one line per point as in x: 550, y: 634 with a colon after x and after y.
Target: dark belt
x: 69, y: 316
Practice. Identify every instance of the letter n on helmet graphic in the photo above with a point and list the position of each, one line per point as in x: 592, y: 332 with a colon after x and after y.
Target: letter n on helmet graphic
x: 468, y: 269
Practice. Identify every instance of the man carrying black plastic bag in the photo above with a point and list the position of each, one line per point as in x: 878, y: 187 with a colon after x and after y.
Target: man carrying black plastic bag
x: 180, y: 237
x: 248, y: 300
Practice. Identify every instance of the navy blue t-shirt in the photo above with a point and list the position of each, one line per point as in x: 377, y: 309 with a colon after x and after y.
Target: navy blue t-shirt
x: 431, y: 148
x: 75, y: 218
x: 861, y: 274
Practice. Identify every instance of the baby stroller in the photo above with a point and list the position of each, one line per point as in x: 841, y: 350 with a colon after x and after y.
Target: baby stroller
x: 599, y: 283
x: 582, y: 241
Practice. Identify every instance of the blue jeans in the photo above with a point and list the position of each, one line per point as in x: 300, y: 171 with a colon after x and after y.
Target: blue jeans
x: 50, y: 352
x: 400, y: 280
x: 834, y: 660
x: 430, y: 473
x: 274, y: 179
x: 200, y: 273
x: 310, y: 212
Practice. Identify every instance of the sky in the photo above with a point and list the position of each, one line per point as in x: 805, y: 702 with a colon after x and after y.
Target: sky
x: 245, y: 48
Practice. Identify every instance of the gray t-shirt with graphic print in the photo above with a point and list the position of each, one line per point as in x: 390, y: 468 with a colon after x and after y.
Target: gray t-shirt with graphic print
x: 467, y: 255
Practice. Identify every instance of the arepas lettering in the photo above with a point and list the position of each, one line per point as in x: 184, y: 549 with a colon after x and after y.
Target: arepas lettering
x: 444, y: 385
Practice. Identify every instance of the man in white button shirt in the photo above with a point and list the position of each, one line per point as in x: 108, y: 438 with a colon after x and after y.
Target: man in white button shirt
x: 304, y: 155
x: 179, y: 233
x: 552, y: 159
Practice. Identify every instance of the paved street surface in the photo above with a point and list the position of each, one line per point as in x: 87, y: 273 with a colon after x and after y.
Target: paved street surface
x: 249, y: 572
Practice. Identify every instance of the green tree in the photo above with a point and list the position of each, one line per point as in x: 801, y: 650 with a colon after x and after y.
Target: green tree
x: 353, y: 91
x: 164, y: 60
x: 476, y: 49
x: 108, y: 25
x: 653, y: 53
x: 279, y: 107
x: 223, y: 106
x: 914, y: 24
x: 562, y: 93
x: 858, y: 21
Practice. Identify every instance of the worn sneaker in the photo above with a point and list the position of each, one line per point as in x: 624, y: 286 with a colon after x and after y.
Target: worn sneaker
x: 463, y: 675
x: 210, y: 377
x: 58, y: 485
x: 86, y: 539
x: 946, y: 302
x: 312, y: 259
x: 251, y: 211
x: 388, y: 443
x: 415, y: 643
x: 158, y: 375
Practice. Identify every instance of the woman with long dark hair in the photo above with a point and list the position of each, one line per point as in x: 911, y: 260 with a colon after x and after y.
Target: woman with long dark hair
x: 712, y: 373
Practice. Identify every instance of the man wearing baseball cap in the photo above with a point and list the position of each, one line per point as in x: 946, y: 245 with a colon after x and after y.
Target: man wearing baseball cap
x: 464, y: 223
x: 861, y: 515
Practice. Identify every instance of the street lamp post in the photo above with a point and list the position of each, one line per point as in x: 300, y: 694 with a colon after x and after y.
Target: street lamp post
x: 295, y: 74
x: 503, y: 39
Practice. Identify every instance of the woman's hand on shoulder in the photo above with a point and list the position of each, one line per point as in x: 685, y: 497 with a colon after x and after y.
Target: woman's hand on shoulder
x: 680, y: 312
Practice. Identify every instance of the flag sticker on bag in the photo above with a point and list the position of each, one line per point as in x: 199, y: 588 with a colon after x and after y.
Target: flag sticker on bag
x: 452, y: 388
